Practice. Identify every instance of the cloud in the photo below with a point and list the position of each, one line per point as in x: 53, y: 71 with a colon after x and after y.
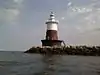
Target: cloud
x: 87, y: 17
x: 10, y: 11
x: 69, y: 4
x: 96, y: 29
x: 10, y: 14
x: 18, y: 1
x: 81, y: 9
x: 79, y: 21
x: 62, y: 18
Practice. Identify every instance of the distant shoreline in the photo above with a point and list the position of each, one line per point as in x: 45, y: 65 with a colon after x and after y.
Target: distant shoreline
x: 68, y: 50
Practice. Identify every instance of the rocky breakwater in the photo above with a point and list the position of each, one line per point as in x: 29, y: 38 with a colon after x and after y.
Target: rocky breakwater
x: 69, y: 50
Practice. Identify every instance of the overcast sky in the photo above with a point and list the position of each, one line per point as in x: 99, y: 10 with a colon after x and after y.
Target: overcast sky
x: 22, y: 22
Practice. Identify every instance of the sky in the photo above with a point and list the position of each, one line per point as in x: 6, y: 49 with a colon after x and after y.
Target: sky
x: 22, y: 22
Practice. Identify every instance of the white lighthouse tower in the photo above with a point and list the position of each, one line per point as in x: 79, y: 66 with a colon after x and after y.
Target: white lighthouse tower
x: 52, y: 29
x: 51, y: 38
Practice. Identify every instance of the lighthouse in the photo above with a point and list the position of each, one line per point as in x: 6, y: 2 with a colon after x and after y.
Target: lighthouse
x: 51, y: 38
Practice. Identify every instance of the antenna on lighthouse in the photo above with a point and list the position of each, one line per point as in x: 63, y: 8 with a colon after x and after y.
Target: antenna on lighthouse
x: 52, y: 16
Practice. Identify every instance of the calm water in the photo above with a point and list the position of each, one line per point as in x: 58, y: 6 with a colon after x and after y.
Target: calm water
x: 19, y: 63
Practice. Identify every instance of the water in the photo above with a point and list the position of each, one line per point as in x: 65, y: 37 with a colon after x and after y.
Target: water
x: 19, y: 63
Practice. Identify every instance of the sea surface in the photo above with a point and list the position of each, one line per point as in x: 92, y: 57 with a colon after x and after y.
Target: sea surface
x: 19, y: 63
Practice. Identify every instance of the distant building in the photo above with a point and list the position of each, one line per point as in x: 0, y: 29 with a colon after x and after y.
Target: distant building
x: 51, y: 38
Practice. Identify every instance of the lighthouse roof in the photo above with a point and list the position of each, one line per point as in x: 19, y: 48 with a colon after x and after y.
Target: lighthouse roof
x: 52, y: 19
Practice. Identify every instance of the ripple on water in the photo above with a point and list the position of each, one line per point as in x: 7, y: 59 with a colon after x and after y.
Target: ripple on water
x: 35, y: 64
